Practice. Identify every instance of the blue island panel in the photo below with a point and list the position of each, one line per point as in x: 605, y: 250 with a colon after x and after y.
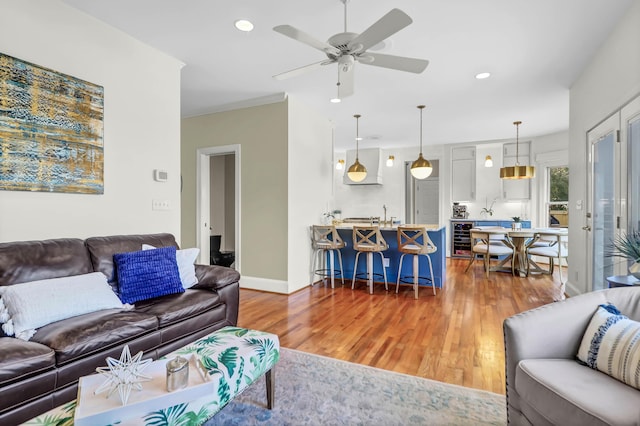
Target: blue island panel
x: 439, y: 258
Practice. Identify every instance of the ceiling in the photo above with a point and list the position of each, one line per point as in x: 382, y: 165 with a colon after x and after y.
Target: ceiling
x: 534, y: 50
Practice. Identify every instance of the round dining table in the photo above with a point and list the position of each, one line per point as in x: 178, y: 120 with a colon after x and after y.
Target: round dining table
x: 519, y: 240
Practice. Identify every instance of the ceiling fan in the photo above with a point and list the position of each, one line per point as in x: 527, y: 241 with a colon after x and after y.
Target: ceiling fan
x: 347, y: 48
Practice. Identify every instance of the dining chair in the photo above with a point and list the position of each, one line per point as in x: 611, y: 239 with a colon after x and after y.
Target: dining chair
x: 414, y: 240
x: 555, y: 245
x: 325, y: 241
x: 369, y: 240
x: 488, y: 243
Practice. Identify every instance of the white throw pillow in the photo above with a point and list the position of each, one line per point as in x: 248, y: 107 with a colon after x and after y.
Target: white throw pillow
x: 611, y: 344
x: 27, y: 306
x: 186, y: 259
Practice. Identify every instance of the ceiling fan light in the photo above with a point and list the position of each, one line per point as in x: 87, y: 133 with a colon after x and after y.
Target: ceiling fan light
x: 421, y: 168
x: 357, y: 172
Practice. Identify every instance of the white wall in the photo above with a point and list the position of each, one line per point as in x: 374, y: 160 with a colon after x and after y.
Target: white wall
x: 611, y: 79
x: 310, y: 154
x: 141, y: 125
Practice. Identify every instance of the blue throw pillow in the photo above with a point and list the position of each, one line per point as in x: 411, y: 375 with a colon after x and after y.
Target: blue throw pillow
x: 147, y: 274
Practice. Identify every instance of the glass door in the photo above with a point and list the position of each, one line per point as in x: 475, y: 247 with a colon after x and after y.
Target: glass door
x: 630, y: 134
x: 604, y: 200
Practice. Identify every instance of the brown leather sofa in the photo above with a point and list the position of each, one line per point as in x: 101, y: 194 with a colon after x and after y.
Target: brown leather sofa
x: 42, y: 373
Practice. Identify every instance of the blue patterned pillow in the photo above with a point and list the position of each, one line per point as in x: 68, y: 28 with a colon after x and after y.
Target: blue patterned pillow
x: 147, y: 274
x: 611, y: 344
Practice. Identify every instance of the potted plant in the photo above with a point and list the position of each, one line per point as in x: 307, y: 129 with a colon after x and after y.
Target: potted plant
x: 488, y: 210
x: 517, y: 224
x: 627, y: 245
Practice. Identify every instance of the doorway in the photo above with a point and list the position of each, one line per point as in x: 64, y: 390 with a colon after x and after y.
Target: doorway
x: 613, y: 189
x: 218, y: 203
x: 423, y: 196
x: 604, y: 190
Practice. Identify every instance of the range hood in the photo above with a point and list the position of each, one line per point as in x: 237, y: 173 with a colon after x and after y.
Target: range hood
x: 371, y: 158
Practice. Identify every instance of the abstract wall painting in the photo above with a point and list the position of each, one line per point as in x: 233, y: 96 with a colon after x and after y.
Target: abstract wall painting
x: 51, y: 130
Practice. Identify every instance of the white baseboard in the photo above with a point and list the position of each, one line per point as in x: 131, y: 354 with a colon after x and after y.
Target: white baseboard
x: 264, y: 284
x: 571, y: 289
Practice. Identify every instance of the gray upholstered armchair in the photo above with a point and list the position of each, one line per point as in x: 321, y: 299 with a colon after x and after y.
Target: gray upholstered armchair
x: 546, y: 385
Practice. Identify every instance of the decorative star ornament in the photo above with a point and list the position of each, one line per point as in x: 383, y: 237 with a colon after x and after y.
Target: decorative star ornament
x: 123, y: 374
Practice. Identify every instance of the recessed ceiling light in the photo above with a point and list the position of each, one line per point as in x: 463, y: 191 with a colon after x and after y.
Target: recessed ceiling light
x: 483, y: 75
x: 244, y: 25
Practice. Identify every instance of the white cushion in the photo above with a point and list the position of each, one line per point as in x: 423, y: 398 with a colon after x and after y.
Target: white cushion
x: 611, y: 344
x: 544, y: 251
x: 186, y: 264
x: 27, y: 306
x: 494, y: 249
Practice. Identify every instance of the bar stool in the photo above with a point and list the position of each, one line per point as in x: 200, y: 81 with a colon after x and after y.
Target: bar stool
x: 368, y: 239
x: 325, y: 240
x: 415, y: 241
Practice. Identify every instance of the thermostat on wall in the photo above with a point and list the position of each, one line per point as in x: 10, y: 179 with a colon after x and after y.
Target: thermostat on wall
x: 160, y: 175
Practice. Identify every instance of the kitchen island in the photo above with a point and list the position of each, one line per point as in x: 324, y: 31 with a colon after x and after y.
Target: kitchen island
x: 436, y: 233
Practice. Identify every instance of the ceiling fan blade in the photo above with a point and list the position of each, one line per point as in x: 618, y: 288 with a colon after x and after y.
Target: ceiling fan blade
x: 305, y: 38
x: 298, y: 71
x: 389, y: 24
x: 396, y: 62
x: 346, y: 83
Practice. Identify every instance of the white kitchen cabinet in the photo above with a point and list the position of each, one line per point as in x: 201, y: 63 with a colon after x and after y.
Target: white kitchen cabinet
x: 463, y: 174
x: 516, y: 189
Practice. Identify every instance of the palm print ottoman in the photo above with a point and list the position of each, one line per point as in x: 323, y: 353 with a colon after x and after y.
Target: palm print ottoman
x: 235, y: 357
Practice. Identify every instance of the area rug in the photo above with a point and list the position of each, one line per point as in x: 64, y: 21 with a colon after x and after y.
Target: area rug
x: 316, y: 390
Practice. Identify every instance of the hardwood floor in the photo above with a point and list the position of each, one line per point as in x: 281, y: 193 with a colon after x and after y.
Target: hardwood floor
x: 454, y: 337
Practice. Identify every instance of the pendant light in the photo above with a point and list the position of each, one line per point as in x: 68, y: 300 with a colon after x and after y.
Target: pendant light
x: 357, y: 172
x: 421, y: 168
x: 517, y: 171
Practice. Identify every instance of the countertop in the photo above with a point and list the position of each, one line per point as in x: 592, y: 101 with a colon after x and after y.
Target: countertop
x: 394, y: 227
x: 490, y: 219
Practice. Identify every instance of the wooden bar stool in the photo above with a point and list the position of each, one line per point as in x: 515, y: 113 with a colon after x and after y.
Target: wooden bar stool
x: 415, y: 241
x: 368, y: 239
x: 325, y: 240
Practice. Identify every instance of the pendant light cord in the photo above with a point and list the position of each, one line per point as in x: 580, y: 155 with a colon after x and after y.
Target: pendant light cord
x: 421, y: 107
x: 517, y: 123
x: 357, y: 116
